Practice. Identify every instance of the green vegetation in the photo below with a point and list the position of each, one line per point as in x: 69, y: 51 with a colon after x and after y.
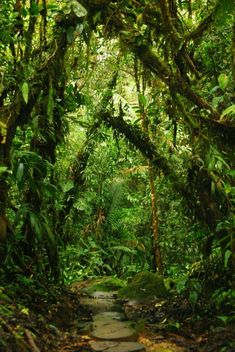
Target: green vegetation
x: 117, y: 125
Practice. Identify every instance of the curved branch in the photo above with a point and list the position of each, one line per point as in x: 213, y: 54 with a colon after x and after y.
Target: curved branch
x: 172, y: 80
x: 201, y: 28
x: 140, y: 140
x: 233, y: 59
x: 170, y: 29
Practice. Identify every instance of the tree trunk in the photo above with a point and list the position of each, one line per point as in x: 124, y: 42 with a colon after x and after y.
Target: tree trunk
x: 5, y: 148
x: 157, y: 257
x: 233, y: 60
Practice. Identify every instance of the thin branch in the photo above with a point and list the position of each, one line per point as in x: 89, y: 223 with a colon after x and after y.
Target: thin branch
x: 173, y: 80
x: 31, y: 342
x: 233, y: 60
x: 30, y: 32
x: 201, y: 28
x: 169, y: 27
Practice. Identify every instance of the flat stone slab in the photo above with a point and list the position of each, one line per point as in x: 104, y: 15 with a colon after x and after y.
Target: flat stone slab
x: 110, y: 329
x: 104, y: 294
x: 108, y: 317
x: 113, y: 330
x: 114, y: 346
x: 97, y: 305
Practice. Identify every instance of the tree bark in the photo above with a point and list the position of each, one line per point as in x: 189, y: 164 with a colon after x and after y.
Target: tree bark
x: 157, y: 256
x: 5, y: 150
x: 233, y: 61
x: 156, y: 251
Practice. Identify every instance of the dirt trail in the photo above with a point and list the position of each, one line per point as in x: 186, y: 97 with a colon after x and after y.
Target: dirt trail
x: 112, y: 332
x: 109, y: 325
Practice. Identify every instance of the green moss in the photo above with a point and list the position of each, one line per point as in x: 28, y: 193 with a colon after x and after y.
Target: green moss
x: 105, y: 284
x: 144, y: 285
x: 170, y: 283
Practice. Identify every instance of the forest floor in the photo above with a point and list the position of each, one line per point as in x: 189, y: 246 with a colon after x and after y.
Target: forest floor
x: 54, y: 319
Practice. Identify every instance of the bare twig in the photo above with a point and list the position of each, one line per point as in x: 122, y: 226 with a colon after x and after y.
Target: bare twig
x: 31, y: 342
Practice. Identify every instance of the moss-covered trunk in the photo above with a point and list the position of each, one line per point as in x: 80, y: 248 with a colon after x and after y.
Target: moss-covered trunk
x: 157, y: 256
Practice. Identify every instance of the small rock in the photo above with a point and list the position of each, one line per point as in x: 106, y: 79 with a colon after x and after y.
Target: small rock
x: 111, y: 346
x: 113, y: 330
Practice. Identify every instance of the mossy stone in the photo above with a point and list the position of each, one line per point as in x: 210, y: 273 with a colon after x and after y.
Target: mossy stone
x: 144, y: 286
x: 104, y: 284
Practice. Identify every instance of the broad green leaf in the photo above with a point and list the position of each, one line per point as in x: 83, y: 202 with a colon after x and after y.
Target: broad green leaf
x: 25, y: 92
x: 97, y: 17
x: 229, y: 111
x: 3, y: 169
x: 223, y: 318
x: 25, y: 311
x: 75, y: 7
x: 20, y: 172
x: 83, y: 205
x: 78, y: 9
x: 24, y: 12
x: 227, y: 255
x: 180, y: 285
x: 223, y: 80
x: 35, y: 223
x: 123, y: 249
x: 3, y: 125
x: 49, y: 233
x: 68, y: 186
x: 79, y: 28
x: 231, y: 172
x: 227, y: 188
x: 143, y: 100
x: 214, y: 89
x: 125, y: 33
x: 67, y: 10
x: 53, y: 7
x: 34, y: 10
x: 197, y: 285
x: 216, y: 101
x: 193, y: 297
x: 49, y: 189
x: 70, y: 34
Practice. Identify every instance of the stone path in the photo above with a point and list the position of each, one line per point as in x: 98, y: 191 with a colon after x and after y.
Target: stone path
x: 110, y: 331
x: 112, y: 346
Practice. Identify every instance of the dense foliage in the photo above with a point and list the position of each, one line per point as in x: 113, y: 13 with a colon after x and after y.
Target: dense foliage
x: 117, y: 138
